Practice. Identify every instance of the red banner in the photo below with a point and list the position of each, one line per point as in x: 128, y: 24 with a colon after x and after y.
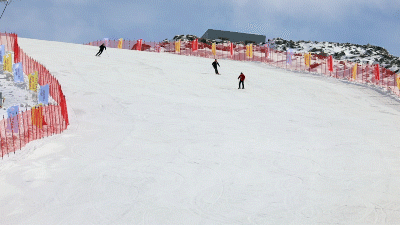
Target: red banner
x: 376, y: 72
x: 330, y: 63
x: 139, y: 45
x: 64, y: 111
x: 195, y: 45
x: 231, y: 49
x: 16, y: 50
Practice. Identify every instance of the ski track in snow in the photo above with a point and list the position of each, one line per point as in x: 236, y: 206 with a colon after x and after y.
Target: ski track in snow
x: 160, y: 139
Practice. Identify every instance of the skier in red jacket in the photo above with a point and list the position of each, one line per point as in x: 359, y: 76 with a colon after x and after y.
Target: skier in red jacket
x: 241, y: 77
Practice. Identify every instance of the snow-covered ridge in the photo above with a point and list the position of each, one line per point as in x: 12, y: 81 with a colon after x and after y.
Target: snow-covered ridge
x: 363, y: 54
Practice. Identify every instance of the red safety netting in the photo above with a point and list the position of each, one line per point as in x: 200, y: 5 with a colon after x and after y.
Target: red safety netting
x: 37, y: 122
x: 340, y: 69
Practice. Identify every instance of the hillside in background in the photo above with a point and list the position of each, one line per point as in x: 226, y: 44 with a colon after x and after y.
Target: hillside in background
x: 340, y: 51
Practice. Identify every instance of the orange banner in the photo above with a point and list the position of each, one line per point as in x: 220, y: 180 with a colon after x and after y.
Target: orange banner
x: 214, y: 49
x: 178, y: 46
x: 307, y: 58
x: 249, y: 50
x: 398, y: 81
x: 120, y: 42
x: 355, y: 72
x: 37, y: 116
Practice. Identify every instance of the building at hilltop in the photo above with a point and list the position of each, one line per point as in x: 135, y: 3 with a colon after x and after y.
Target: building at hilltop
x: 233, y: 36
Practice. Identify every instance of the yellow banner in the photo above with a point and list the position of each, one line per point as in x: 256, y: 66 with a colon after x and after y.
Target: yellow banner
x: 307, y: 58
x: 214, y: 49
x: 37, y: 116
x: 7, y: 62
x: 398, y: 81
x: 178, y: 46
x: 121, y: 41
x: 355, y: 72
x: 33, y: 81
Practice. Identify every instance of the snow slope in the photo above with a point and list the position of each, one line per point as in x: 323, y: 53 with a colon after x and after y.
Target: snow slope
x: 157, y: 138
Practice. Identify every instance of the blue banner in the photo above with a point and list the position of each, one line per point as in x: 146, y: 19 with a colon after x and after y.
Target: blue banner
x: 18, y: 73
x: 44, y: 94
x: 2, y: 52
x: 12, y: 120
x: 289, y: 56
x: 271, y: 44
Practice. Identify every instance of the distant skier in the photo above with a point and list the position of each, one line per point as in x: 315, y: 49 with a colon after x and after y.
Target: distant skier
x: 214, y: 64
x: 241, y: 77
x: 102, y: 47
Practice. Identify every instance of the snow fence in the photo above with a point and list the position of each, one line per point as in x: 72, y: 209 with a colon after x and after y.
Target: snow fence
x: 374, y: 75
x: 24, y: 126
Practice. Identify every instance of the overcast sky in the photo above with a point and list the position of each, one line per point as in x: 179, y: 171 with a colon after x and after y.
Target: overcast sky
x: 376, y: 22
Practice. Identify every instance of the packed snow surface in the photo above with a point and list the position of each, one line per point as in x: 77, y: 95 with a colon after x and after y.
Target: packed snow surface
x: 157, y: 138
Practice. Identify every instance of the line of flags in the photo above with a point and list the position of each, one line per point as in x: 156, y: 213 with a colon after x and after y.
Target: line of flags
x: 43, y: 96
x: 18, y: 75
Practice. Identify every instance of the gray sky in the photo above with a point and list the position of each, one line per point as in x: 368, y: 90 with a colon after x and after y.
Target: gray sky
x: 78, y: 21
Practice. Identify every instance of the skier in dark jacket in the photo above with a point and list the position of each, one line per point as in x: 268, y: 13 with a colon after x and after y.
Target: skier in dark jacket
x: 241, y: 77
x: 214, y: 64
x: 102, y: 47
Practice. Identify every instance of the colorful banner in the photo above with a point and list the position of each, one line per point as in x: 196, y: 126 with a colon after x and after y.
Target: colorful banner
x: 195, y: 45
x: 106, y: 41
x: 33, y: 81
x: 64, y: 111
x: 289, y: 55
x: 37, y: 116
x: 231, y: 48
x: 330, y: 63
x: 2, y: 51
x: 139, y: 44
x: 355, y: 72
x: 12, y: 121
x: 18, y: 73
x: 214, y: 49
x: 307, y: 58
x: 249, y: 50
x: 267, y: 50
x: 7, y: 62
x: 120, y: 43
x: 398, y: 81
x: 178, y: 46
x: 376, y: 72
x: 16, y: 50
x: 44, y: 94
